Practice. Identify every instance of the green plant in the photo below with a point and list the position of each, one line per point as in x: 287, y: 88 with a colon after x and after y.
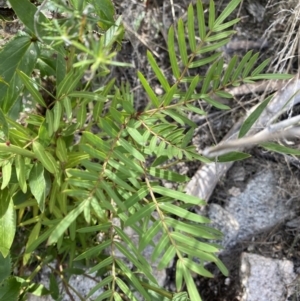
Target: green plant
x: 68, y: 191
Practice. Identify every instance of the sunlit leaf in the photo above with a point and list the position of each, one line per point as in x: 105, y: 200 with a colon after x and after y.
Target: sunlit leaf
x: 251, y: 119
x: 201, y: 20
x: 21, y: 172
x: 7, y: 222
x: 167, y: 257
x: 197, y: 268
x: 271, y: 76
x: 6, y: 173
x: 159, y: 74
x: 63, y: 225
x: 211, y: 14
x: 191, y: 28
x: 151, y: 94
x: 181, y: 43
x: 37, y: 184
x: 191, y: 287
x: 131, y: 149
x: 226, y: 12
x: 57, y: 113
x: 233, y: 156
x: 172, y: 54
x: 274, y: 147
x: 177, y: 210
x: 28, y: 19
x: 146, y: 210
x: 30, y: 87
x: 45, y: 157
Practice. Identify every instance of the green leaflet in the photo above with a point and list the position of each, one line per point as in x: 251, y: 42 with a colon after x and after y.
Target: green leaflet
x: 37, y: 184
x: 136, y: 136
x: 251, y: 119
x: 28, y: 19
x: 261, y: 67
x: 191, y: 28
x: 177, y: 210
x: 131, y: 149
x: 179, y: 275
x: 65, y: 223
x: 15, y: 50
x: 271, y: 76
x: 98, y: 228
x: 159, y: 74
x: 22, y: 54
x: 280, y: 148
x: 53, y: 287
x: 57, y: 114
x: 211, y: 15
x: 233, y: 156
x: 7, y: 222
x: 69, y: 82
x: 146, y: 210
x: 21, y: 172
x: 141, y: 261
x: 225, y: 13
x: 45, y: 157
x: 172, y: 54
x: 160, y: 246
x: 61, y: 150
x: 241, y: 65
x: 30, y: 87
x: 4, y: 124
x: 176, y: 195
x: 126, y: 290
x: 35, y: 232
x: 193, y: 228
x: 181, y: 43
x: 167, y: 257
x: 94, y: 251
x: 197, y: 268
x: 6, y: 173
x: 167, y: 175
x: 193, y: 243
x: 81, y: 115
x: 201, y: 20
x: 155, y: 101
x: 5, y: 267
x: 191, y: 287
x: 149, y: 235
x: 133, y: 279
x: 118, y: 181
x: 87, y: 95
x: 250, y: 65
x: 10, y: 289
x: 68, y: 107
x: 102, y: 283
x: 136, y: 197
x: 101, y: 265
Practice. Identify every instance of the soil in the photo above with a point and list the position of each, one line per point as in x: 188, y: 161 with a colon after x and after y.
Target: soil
x: 267, y: 27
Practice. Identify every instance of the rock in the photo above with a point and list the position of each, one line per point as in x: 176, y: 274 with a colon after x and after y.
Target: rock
x: 80, y: 283
x: 266, y: 279
x: 255, y: 209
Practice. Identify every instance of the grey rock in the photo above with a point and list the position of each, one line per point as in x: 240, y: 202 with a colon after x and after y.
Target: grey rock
x: 255, y: 209
x: 266, y: 279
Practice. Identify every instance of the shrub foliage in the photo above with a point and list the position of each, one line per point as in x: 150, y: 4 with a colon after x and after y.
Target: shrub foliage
x: 80, y: 166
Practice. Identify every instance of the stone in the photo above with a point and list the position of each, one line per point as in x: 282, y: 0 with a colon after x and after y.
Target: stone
x: 266, y: 279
